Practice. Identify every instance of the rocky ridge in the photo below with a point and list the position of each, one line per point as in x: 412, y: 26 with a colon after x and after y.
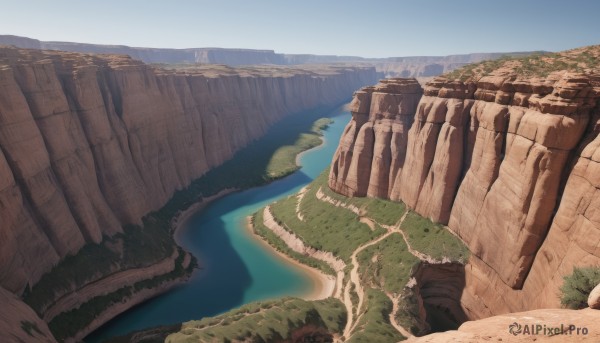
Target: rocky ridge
x: 413, y: 66
x: 507, y: 163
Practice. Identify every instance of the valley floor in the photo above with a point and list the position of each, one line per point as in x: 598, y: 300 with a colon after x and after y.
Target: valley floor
x: 369, y: 249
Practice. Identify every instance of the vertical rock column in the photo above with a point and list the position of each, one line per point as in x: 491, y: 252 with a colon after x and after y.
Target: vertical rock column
x: 435, y: 150
x: 370, y: 153
x: 513, y: 207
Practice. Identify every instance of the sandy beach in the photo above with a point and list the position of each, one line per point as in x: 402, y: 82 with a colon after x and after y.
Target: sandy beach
x: 323, y: 284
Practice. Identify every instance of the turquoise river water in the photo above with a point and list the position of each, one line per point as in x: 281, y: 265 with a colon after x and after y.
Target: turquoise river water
x: 236, y: 269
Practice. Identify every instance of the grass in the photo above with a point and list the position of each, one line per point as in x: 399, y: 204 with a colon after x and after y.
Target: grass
x: 325, y: 227
x: 279, y: 244
x: 408, y: 315
x: 381, y: 210
x: 387, y: 265
x: 283, y: 160
x: 433, y: 239
x: 67, y: 324
x: 374, y: 325
x: 581, y: 60
x: 266, y: 321
x: 154, y: 335
x: 263, y: 160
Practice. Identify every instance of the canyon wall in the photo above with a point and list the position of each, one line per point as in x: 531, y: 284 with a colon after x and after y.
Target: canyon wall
x: 89, y: 143
x: 510, y: 166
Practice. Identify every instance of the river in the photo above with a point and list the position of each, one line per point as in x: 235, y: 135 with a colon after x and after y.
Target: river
x: 235, y: 269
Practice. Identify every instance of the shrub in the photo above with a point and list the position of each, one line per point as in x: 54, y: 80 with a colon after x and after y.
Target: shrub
x: 577, y: 287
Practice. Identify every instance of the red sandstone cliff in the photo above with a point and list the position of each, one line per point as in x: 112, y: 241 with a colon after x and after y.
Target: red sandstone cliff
x: 89, y: 143
x: 510, y: 165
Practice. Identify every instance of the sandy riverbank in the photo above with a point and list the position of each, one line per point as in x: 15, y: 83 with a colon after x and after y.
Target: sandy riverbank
x: 323, y: 284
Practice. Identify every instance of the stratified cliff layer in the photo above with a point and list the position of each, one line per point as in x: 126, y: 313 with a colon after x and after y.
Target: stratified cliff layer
x: 509, y: 164
x: 372, y: 148
x: 90, y: 143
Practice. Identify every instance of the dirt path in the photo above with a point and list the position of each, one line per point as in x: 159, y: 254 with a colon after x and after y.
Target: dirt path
x: 368, y: 221
x: 343, y: 292
x: 324, y: 197
x: 299, y: 198
x: 355, y: 279
x: 395, y: 309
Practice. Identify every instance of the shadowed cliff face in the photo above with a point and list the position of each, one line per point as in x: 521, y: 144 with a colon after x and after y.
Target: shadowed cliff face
x: 509, y: 165
x: 89, y: 143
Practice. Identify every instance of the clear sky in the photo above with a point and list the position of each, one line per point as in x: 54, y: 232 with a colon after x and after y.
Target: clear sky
x: 370, y: 28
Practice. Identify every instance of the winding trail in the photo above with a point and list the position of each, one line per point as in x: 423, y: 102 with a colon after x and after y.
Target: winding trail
x: 299, y: 198
x: 355, y: 279
x: 343, y: 292
x: 395, y: 308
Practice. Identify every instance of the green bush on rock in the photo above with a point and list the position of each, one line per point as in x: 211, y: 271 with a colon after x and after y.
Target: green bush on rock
x: 577, y: 287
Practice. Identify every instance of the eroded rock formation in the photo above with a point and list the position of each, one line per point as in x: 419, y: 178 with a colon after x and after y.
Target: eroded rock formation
x: 372, y: 147
x: 89, y: 143
x: 524, y: 328
x: 511, y: 167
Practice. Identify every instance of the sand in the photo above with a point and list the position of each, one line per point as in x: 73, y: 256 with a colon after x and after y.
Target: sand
x: 323, y: 284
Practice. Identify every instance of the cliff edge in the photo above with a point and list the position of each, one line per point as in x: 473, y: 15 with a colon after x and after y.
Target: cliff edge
x: 505, y: 154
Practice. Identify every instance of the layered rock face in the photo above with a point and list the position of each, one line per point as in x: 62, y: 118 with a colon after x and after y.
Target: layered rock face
x: 509, y: 165
x: 372, y: 147
x: 89, y: 143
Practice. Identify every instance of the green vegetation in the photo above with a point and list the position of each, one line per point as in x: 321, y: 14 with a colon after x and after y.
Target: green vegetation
x: 266, y: 322
x: 408, y: 312
x: 433, y: 239
x: 382, y: 211
x: 259, y: 161
x: 283, y: 160
x: 154, y: 335
x: 67, y: 324
x: 374, y: 325
x: 581, y: 60
x: 279, y: 244
x: 577, y: 287
x: 30, y: 327
x: 136, y: 247
x: 384, y: 267
x: 387, y: 264
x: 264, y: 160
x: 325, y: 227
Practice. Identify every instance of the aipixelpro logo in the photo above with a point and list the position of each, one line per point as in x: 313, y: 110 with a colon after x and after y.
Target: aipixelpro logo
x: 543, y: 329
x: 514, y: 328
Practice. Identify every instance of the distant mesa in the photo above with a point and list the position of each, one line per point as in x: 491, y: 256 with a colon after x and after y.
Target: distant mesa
x: 414, y: 66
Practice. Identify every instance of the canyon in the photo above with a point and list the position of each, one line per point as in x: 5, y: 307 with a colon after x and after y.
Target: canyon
x: 422, y: 67
x: 94, y: 147
x: 90, y: 144
x: 507, y: 163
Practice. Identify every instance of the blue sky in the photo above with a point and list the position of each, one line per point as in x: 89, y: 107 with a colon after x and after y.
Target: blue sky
x: 370, y: 28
